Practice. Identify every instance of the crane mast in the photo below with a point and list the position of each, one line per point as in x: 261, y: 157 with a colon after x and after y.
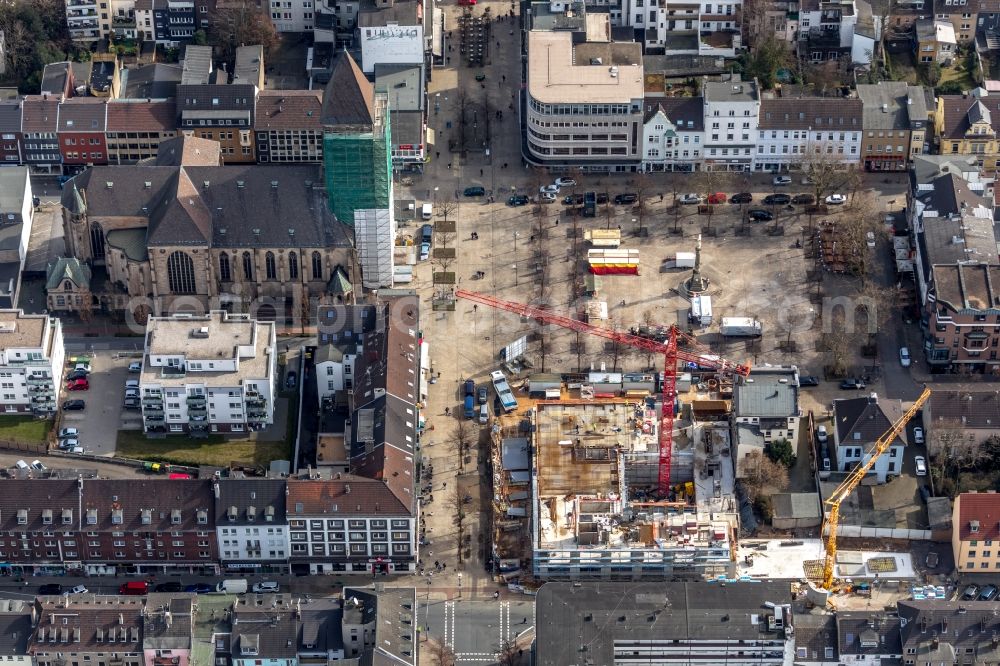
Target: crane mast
x: 669, y: 349
x: 854, y: 479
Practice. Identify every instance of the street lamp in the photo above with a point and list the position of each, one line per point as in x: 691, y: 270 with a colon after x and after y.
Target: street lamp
x: 459, y: 584
x: 515, y: 274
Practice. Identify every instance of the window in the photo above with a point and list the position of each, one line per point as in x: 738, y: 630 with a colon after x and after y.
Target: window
x: 317, y: 266
x: 269, y: 267
x: 225, y: 273
x: 97, y: 241
x: 247, y: 266
x: 180, y: 273
x: 293, y: 266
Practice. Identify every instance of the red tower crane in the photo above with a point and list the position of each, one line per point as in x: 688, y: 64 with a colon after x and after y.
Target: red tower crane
x: 669, y: 349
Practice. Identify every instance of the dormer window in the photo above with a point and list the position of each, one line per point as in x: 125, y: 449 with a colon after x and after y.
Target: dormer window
x: 22, y: 516
x: 202, y: 517
x: 175, y: 516
x: 117, y: 516
x: 974, y: 526
x: 232, y: 514
x: 67, y: 516
x: 146, y: 516
x: 91, y: 516
x: 251, y: 513
x: 46, y: 516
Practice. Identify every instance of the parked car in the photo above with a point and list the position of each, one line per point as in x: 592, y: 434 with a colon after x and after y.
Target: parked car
x: 134, y: 588
x: 547, y: 197
x: 135, y: 366
x: 777, y: 199
x: 781, y: 180
x: 76, y: 374
x: 67, y: 444
x: 74, y: 405
x: 918, y: 435
x: 483, y: 395
x: 851, y: 383
x: 690, y: 199
x: 50, y: 588
x: 759, y: 215
x: 741, y: 198
x: 804, y: 199
x: 132, y: 384
x: 131, y: 403
x: 469, y: 387
x: 68, y: 432
x: 266, y: 586
x: 548, y: 189
x: 988, y: 593
x: 474, y: 191
x: 602, y: 197
x: 971, y: 592
x: 518, y: 200
x: 565, y: 182
x: 38, y: 466
x: 821, y: 435
x: 717, y: 198
x: 199, y: 588
x: 78, y: 385
x: 290, y: 379
x: 808, y: 380
x: 573, y: 200
x: 172, y: 586
x: 870, y: 239
x: 931, y: 561
x: 920, y: 466
x: 425, y: 251
x: 627, y: 198
x: 904, y: 357
x: 836, y: 199
x: 76, y: 589
x: 20, y: 464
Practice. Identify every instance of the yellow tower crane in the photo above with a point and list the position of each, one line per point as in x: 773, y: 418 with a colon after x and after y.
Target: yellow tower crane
x: 852, y: 481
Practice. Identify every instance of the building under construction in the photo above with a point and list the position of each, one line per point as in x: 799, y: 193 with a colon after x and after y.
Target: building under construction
x: 581, y: 489
x: 357, y: 155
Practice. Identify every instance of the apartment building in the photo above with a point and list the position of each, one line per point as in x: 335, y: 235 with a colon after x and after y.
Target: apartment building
x: 770, y: 403
x: 96, y: 633
x: 17, y: 213
x: 935, y: 631
x: 250, y: 525
x: 16, y: 625
x: 963, y: 125
x: 665, y: 623
x: 957, y: 272
x: 136, y: 127
x: 10, y: 133
x: 168, y: 22
x: 293, y: 15
x: 31, y: 362
x: 732, y: 110
x: 584, y: 102
x: 858, y: 423
x: 867, y: 638
x: 167, y: 632
x: 975, y: 537
x: 82, y: 132
x: 834, y: 30
x: 82, y: 20
x: 39, y: 127
x: 794, y: 132
x: 213, y: 373
x: 896, y: 125
x: 687, y: 27
x: 673, y: 134
x: 91, y: 20
x: 289, y: 126
x: 223, y: 113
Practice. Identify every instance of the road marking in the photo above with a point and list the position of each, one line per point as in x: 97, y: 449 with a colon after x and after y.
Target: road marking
x: 449, y: 606
x: 504, y: 621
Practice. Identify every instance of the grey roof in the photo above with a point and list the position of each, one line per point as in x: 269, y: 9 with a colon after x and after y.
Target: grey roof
x: 686, y: 113
x: 904, y: 104
x: 319, y: 628
x: 815, y: 632
x: 407, y: 127
x: 197, y: 64
x: 157, y: 80
x: 394, y: 618
x: 597, y: 615
x: 971, y: 409
x: 67, y: 268
x: 400, y: 12
x: 15, y: 627
x: 673, y: 65
x: 735, y: 90
x: 339, y: 323
x: 929, y: 167
x: 349, y: 98
x: 10, y: 116
x: 167, y: 626
x: 402, y: 84
x: 949, y: 194
x: 515, y: 453
x: 257, y: 501
x: 54, y: 77
x: 237, y: 100
x: 765, y: 395
x: 940, y: 631
x: 14, y: 189
x: 328, y: 353
x: 249, y: 61
x: 796, y: 505
x: 131, y: 241
x: 221, y: 206
x: 272, y: 633
x: 868, y: 417
x: 867, y: 633
x: 83, y: 114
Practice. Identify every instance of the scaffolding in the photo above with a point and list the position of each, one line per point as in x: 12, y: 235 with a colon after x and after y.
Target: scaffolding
x: 357, y: 164
x: 375, y: 235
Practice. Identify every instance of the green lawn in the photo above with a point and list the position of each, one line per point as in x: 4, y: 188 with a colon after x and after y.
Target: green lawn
x: 213, y: 450
x: 24, y: 429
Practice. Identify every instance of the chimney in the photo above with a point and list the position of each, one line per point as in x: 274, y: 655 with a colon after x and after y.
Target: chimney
x: 215, y: 487
x: 923, y: 625
x: 169, y: 618
x: 944, y: 626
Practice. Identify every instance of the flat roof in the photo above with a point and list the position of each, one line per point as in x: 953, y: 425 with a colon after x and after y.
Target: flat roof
x: 556, y: 75
x: 20, y: 331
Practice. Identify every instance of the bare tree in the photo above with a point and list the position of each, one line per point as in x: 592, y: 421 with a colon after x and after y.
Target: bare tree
x: 824, y: 168
x: 761, y: 475
x: 707, y: 183
x: 447, y: 208
x: 857, y: 231
x: 952, y: 448
x: 440, y: 653
x: 242, y: 24
x: 464, y: 437
x: 507, y: 653
x: 643, y: 185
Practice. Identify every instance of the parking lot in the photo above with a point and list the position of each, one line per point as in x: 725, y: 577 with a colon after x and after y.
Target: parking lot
x: 104, y: 415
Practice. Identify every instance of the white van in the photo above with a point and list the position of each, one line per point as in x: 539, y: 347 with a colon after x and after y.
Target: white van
x: 484, y: 414
x: 233, y: 586
x: 701, y: 310
x: 426, y: 211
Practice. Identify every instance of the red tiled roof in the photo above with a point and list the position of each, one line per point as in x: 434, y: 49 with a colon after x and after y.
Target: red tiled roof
x: 982, y: 507
x: 142, y: 116
x: 289, y: 110
x: 346, y: 496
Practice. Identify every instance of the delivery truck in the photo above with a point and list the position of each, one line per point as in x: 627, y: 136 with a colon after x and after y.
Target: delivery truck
x: 701, y: 310
x: 740, y: 327
x: 232, y: 586
x: 470, y: 407
x: 502, y: 388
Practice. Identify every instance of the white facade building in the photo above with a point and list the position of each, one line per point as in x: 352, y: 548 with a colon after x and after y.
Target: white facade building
x: 208, y: 373
x: 732, y: 109
x: 335, y: 368
x: 673, y: 134
x: 251, y: 529
x: 690, y: 27
x: 858, y: 423
x: 292, y: 15
x: 31, y: 362
x: 794, y: 131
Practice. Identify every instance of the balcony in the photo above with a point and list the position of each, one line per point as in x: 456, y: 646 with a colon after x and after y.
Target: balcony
x: 256, y: 416
x: 152, y: 409
x: 38, y: 380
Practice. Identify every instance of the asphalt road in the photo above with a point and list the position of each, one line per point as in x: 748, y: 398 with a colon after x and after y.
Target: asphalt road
x: 475, y: 630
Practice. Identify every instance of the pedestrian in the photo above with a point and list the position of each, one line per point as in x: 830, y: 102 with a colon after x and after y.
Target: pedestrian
x: 449, y: 165
x: 496, y: 594
x: 661, y: 197
x: 480, y: 172
x: 437, y: 154
x: 504, y: 78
